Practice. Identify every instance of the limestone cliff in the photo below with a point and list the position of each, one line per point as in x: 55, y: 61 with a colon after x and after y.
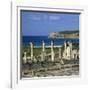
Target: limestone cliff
x: 64, y: 34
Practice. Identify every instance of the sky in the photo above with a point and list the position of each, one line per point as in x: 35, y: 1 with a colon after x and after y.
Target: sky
x: 35, y: 23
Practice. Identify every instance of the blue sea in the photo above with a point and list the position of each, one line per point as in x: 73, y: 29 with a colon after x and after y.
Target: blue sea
x: 37, y: 40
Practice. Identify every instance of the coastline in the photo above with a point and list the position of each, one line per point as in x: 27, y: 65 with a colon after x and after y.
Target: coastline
x: 63, y: 37
x: 48, y: 46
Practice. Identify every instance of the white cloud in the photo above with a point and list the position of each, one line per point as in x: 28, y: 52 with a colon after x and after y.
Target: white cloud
x: 36, y: 18
x: 54, y: 17
x: 45, y: 17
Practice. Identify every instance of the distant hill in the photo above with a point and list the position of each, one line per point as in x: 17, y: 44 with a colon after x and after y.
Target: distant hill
x: 64, y: 34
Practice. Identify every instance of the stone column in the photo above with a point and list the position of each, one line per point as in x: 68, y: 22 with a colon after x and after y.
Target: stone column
x: 65, y: 50
x: 43, y: 51
x: 31, y: 44
x: 59, y: 52
x: 65, y: 45
x: 43, y: 46
x: 25, y: 57
x: 52, y: 51
x: 76, y: 55
x: 70, y: 50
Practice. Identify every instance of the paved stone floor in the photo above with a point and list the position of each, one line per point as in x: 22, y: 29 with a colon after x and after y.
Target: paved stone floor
x: 50, y: 69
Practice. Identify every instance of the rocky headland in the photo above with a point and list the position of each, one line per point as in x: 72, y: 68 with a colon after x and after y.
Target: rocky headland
x: 64, y: 34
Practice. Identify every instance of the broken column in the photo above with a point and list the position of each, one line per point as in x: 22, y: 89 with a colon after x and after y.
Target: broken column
x: 31, y: 44
x: 70, y: 45
x: 65, y: 45
x: 52, y: 51
x: 43, y: 45
x: 43, y: 51
x: 25, y: 57
x: 59, y: 52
